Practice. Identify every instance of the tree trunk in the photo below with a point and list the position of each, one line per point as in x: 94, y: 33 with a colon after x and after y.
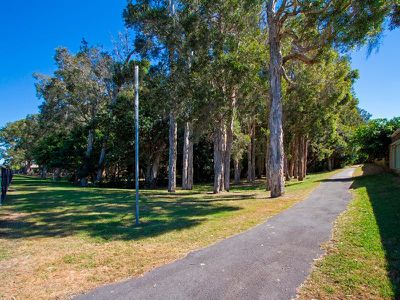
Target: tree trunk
x: 88, y: 154
x: 190, y: 167
x: 305, y: 155
x: 229, y: 141
x: 227, y: 156
x: 236, y: 164
x: 187, y: 165
x: 251, y: 154
x: 260, y: 165
x: 330, y: 167
x: 172, y: 153
x: 27, y: 168
x: 286, y: 167
x: 275, y: 120
x: 43, y: 174
x: 219, y: 157
x: 267, y: 183
x: 293, y: 158
x: 56, y: 174
x: 102, y: 158
x: 152, y: 170
x: 249, y: 164
x: 301, y: 159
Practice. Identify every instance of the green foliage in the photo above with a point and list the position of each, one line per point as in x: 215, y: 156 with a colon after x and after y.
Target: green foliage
x: 372, y: 139
x: 205, y: 62
x: 17, y: 140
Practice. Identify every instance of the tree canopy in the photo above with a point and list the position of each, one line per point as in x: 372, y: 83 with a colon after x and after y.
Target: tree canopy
x: 228, y: 89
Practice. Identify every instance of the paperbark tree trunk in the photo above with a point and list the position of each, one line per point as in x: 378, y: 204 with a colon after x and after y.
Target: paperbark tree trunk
x: 267, y: 183
x: 187, y: 164
x: 329, y: 164
x: 102, y: 158
x: 227, y: 156
x: 251, y: 154
x: 88, y: 154
x: 43, y: 174
x: 286, y: 165
x: 236, y: 165
x: 260, y: 165
x: 293, y: 158
x: 276, y: 154
x: 56, y: 174
x: 229, y: 141
x: 305, y: 155
x: 219, y: 157
x: 172, y: 153
x: 301, y: 159
x: 152, y: 170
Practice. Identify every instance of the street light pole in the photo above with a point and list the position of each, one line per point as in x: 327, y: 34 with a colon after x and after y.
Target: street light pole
x: 137, y: 143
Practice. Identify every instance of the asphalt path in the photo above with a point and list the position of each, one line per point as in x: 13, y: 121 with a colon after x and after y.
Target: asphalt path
x: 269, y: 261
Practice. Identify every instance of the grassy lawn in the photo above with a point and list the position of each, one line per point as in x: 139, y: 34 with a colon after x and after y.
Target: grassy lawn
x: 57, y: 240
x: 363, y: 259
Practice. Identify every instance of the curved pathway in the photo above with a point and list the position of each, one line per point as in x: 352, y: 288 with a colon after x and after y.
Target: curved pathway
x: 269, y: 261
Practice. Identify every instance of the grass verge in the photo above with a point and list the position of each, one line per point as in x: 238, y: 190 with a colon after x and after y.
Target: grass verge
x: 57, y: 240
x: 363, y: 259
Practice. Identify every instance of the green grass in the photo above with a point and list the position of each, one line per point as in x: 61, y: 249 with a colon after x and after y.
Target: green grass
x: 57, y: 240
x: 363, y: 260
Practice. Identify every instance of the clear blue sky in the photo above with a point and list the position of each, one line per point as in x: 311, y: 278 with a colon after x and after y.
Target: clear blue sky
x: 31, y: 30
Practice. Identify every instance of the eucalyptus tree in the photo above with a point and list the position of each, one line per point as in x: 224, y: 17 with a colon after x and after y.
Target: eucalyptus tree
x: 17, y: 140
x: 121, y: 70
x: 298, y: 30
x: 158, y: 25
x: 229, y: 56
x: 79, y: 90
x: 312, y: 108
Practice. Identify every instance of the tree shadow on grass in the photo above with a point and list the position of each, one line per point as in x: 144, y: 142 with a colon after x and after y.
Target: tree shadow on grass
x: 59, y: 210
x: 384, y: 195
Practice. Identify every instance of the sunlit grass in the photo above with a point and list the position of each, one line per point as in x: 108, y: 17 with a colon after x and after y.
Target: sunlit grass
x: 57, y: 240
x: 363, y: 259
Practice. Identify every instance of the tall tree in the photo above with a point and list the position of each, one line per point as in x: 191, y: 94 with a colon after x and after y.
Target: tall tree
x: 301, y: 29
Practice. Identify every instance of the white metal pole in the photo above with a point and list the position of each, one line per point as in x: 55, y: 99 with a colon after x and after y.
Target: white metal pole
x: 137, y: 143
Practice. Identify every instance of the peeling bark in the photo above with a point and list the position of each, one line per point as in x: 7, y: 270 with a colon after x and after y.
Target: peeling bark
x: 187, y: 165
x: 276, y: 154
x: 152, y: 170
x: 172, y: 153
x: 301, y: 159
x: 236, y: 165
x: 251, y: 154
x: 102, y: 158
x: 219, y: 157
x: 88, y: 154
x: 229, y: 141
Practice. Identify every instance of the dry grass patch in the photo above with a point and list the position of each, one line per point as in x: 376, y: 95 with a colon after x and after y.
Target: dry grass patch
x: 57, y: 240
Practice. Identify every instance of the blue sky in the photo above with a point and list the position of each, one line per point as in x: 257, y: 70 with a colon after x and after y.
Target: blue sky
x: 31, y: 30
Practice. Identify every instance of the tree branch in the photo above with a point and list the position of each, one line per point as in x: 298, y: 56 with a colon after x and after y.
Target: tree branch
x: 299, y: 56
x: 286, y: 77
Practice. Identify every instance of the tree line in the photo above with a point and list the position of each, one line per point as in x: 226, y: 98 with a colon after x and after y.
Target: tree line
x: 227, y: 88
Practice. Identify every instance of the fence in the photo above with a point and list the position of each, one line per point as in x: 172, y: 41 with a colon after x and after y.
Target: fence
x: 6, y: 178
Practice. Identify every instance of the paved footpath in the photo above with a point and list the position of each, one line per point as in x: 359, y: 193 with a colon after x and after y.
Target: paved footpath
x: 269, y: 261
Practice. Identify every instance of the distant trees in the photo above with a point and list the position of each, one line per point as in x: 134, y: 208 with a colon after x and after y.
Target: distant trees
x: 17, y: 140
x: 213, y: 102
x: 372, y: 139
